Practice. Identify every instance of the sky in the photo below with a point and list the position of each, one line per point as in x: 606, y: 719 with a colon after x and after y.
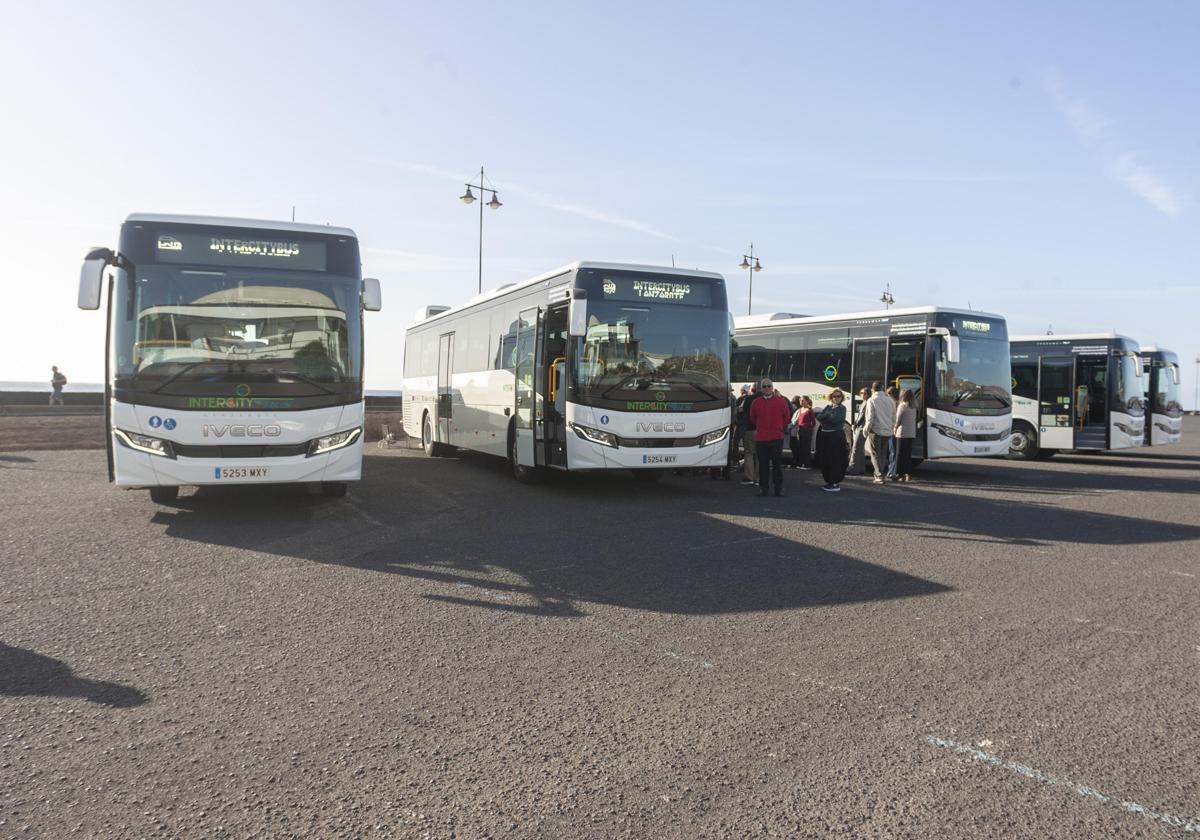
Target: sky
x: 1041, y: 161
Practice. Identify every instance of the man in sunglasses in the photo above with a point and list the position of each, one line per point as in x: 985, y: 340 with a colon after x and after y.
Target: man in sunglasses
x: 770, y: 414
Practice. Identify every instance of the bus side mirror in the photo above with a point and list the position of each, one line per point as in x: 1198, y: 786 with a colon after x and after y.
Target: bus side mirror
x: 1137, y: 367
x: 91, y: 277
x: 372, y: 297
x: 952, y: 349
x: 577, y: 314
x: 1174, y: 374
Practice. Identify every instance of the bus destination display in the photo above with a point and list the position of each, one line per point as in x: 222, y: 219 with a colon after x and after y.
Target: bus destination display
x: 667, y: 290
x: 205, y: 249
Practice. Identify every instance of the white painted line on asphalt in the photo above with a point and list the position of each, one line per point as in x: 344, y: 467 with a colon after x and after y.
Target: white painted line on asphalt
x: 1181, y: 574
x: 1183, y: 823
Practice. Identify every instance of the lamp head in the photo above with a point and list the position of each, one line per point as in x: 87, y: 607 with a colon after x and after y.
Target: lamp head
x: 745, y: 263
x: 468, y: 196
x: 495, y: 202
x: 757, y: 265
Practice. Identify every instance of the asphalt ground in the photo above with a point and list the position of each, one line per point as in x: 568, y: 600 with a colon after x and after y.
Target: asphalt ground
x: 996, y: 650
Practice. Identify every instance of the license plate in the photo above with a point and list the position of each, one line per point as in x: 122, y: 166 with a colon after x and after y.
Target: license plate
x: 979, y: 449
x: 240, y: 472
x: 659, y: 459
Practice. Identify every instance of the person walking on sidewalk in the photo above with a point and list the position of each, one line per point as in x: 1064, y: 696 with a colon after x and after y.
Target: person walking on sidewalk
x: 831, y: 441
x: 57, y: 380
x: 770, y: 415
x: 906, y: 433
x: 880, y: 420
x: 746, y: 430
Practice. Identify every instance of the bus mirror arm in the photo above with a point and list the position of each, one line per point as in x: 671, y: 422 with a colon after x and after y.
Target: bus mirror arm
x: 577, y: 315
x: 91, y: 277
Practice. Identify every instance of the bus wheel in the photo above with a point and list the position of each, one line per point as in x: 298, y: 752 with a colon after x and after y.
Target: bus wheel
x: 1022, y: 446
x: 427, y: 442
x: 525, y: 475
x: 163, y: 495
x: 647, y: 476
x: 333, y: 489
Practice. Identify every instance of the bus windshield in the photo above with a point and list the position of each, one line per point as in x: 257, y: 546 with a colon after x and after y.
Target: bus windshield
x: 1130, y: 388
x: 979, y: 382
x: 1166, y: 396
x: 175, y: 325
x: 635, y: 352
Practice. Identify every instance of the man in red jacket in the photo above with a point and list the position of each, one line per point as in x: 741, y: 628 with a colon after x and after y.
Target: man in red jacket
x: 770, y: 414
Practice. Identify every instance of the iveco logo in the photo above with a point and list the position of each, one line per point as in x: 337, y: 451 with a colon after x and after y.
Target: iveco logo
x: 241, y: 431
x: 660, y: 427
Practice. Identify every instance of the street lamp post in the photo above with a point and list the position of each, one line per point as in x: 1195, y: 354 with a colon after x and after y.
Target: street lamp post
x: 750, y: 262
x: 467, y: 198
x: 1196, y: 386
x: 886, y: 298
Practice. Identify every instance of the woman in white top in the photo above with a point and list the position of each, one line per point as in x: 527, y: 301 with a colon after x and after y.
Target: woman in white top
x: 905, y: 433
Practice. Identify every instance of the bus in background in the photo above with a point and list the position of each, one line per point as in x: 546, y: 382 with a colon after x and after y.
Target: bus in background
x: 1164, y: 404
x: 954, y: 361
x: 1079, y: 392
x: 593, y: 366
x: 235, y: 352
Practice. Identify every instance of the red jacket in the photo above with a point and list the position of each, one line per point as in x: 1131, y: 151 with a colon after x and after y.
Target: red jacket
x: 770, y: 416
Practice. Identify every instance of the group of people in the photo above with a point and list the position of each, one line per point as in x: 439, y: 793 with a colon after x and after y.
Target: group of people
x: 884, y: 430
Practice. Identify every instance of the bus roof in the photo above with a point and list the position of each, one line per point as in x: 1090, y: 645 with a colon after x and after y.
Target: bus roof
x: 1169, y: 356
x: 774, y: 319
x: 1108, y: 336
x: 249, y: 224
x: 508, y: 288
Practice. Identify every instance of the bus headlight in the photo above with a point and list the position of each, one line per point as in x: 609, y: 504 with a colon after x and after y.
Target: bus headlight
x: 328, y: 443
x: 145, y: 443
x: 595, y: 435
x: 948, y: 432
x: 715, y: 436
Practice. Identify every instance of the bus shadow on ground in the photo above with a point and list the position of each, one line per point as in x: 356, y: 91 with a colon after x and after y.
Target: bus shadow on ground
x: 685, y: 546
x: 25, y: 673
x: 1106, y: 476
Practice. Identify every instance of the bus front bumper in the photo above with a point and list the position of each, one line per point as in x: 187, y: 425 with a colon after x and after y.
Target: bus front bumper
x: 138, y: 469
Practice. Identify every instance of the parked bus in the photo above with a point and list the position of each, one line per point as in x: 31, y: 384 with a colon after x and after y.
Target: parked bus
x: 1079, y: 392
x: 593, y: 366
x: 1163, y: 403
x: 235, y: 352
x: 954, y: 361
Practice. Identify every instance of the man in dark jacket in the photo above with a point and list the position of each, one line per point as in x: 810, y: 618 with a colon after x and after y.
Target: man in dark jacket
x: 746, y: 434
x: 770, y: 415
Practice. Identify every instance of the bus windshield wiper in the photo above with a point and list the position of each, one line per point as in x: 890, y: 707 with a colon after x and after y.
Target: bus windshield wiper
x: 307, y: 380
x: 188, y: 366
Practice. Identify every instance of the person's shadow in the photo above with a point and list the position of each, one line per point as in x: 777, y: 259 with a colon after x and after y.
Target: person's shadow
x: 23, y: 672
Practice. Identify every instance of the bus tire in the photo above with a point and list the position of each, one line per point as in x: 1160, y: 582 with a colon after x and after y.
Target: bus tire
x: 1022, y: 446
x: 1045, y: 454
x: 333, y: 489
x: 525, y: 475
x: 647, y: 476
x: 164, y: 495
x: 430, y: 446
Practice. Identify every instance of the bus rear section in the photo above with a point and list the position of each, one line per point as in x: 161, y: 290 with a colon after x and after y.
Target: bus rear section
x: 234, y: 352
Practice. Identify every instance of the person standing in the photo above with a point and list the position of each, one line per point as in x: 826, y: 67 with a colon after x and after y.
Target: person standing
x: 879, y: 422
x: 746, y: 427
x: 770, y: 415
x: 831, y: 441
x: 858, y: 457
x: 905, y: 434
x: 893, y: 452
x: 57, y: 380
x: 803, y: 423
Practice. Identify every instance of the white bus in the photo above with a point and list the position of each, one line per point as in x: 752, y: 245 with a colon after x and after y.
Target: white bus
x: 593, y: 366
x: 954, y: 361
x: 1164, y: 404
x: 1081, y: 392
x: 235, y: 352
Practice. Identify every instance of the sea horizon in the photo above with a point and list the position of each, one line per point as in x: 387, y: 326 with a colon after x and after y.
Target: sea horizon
x: 98, y: 388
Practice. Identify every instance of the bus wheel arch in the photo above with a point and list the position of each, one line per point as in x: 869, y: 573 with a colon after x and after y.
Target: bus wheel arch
x: 1022, y: 446
x: 430, y: 446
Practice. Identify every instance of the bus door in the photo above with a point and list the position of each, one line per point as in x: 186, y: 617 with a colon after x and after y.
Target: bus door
x: 906, y: 372
x: 870, y: 365
x: 524, y: 390
x: 1091, y: 401
x: 1056, y: 403
x: 445, y: 393
x: 554, y: 360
